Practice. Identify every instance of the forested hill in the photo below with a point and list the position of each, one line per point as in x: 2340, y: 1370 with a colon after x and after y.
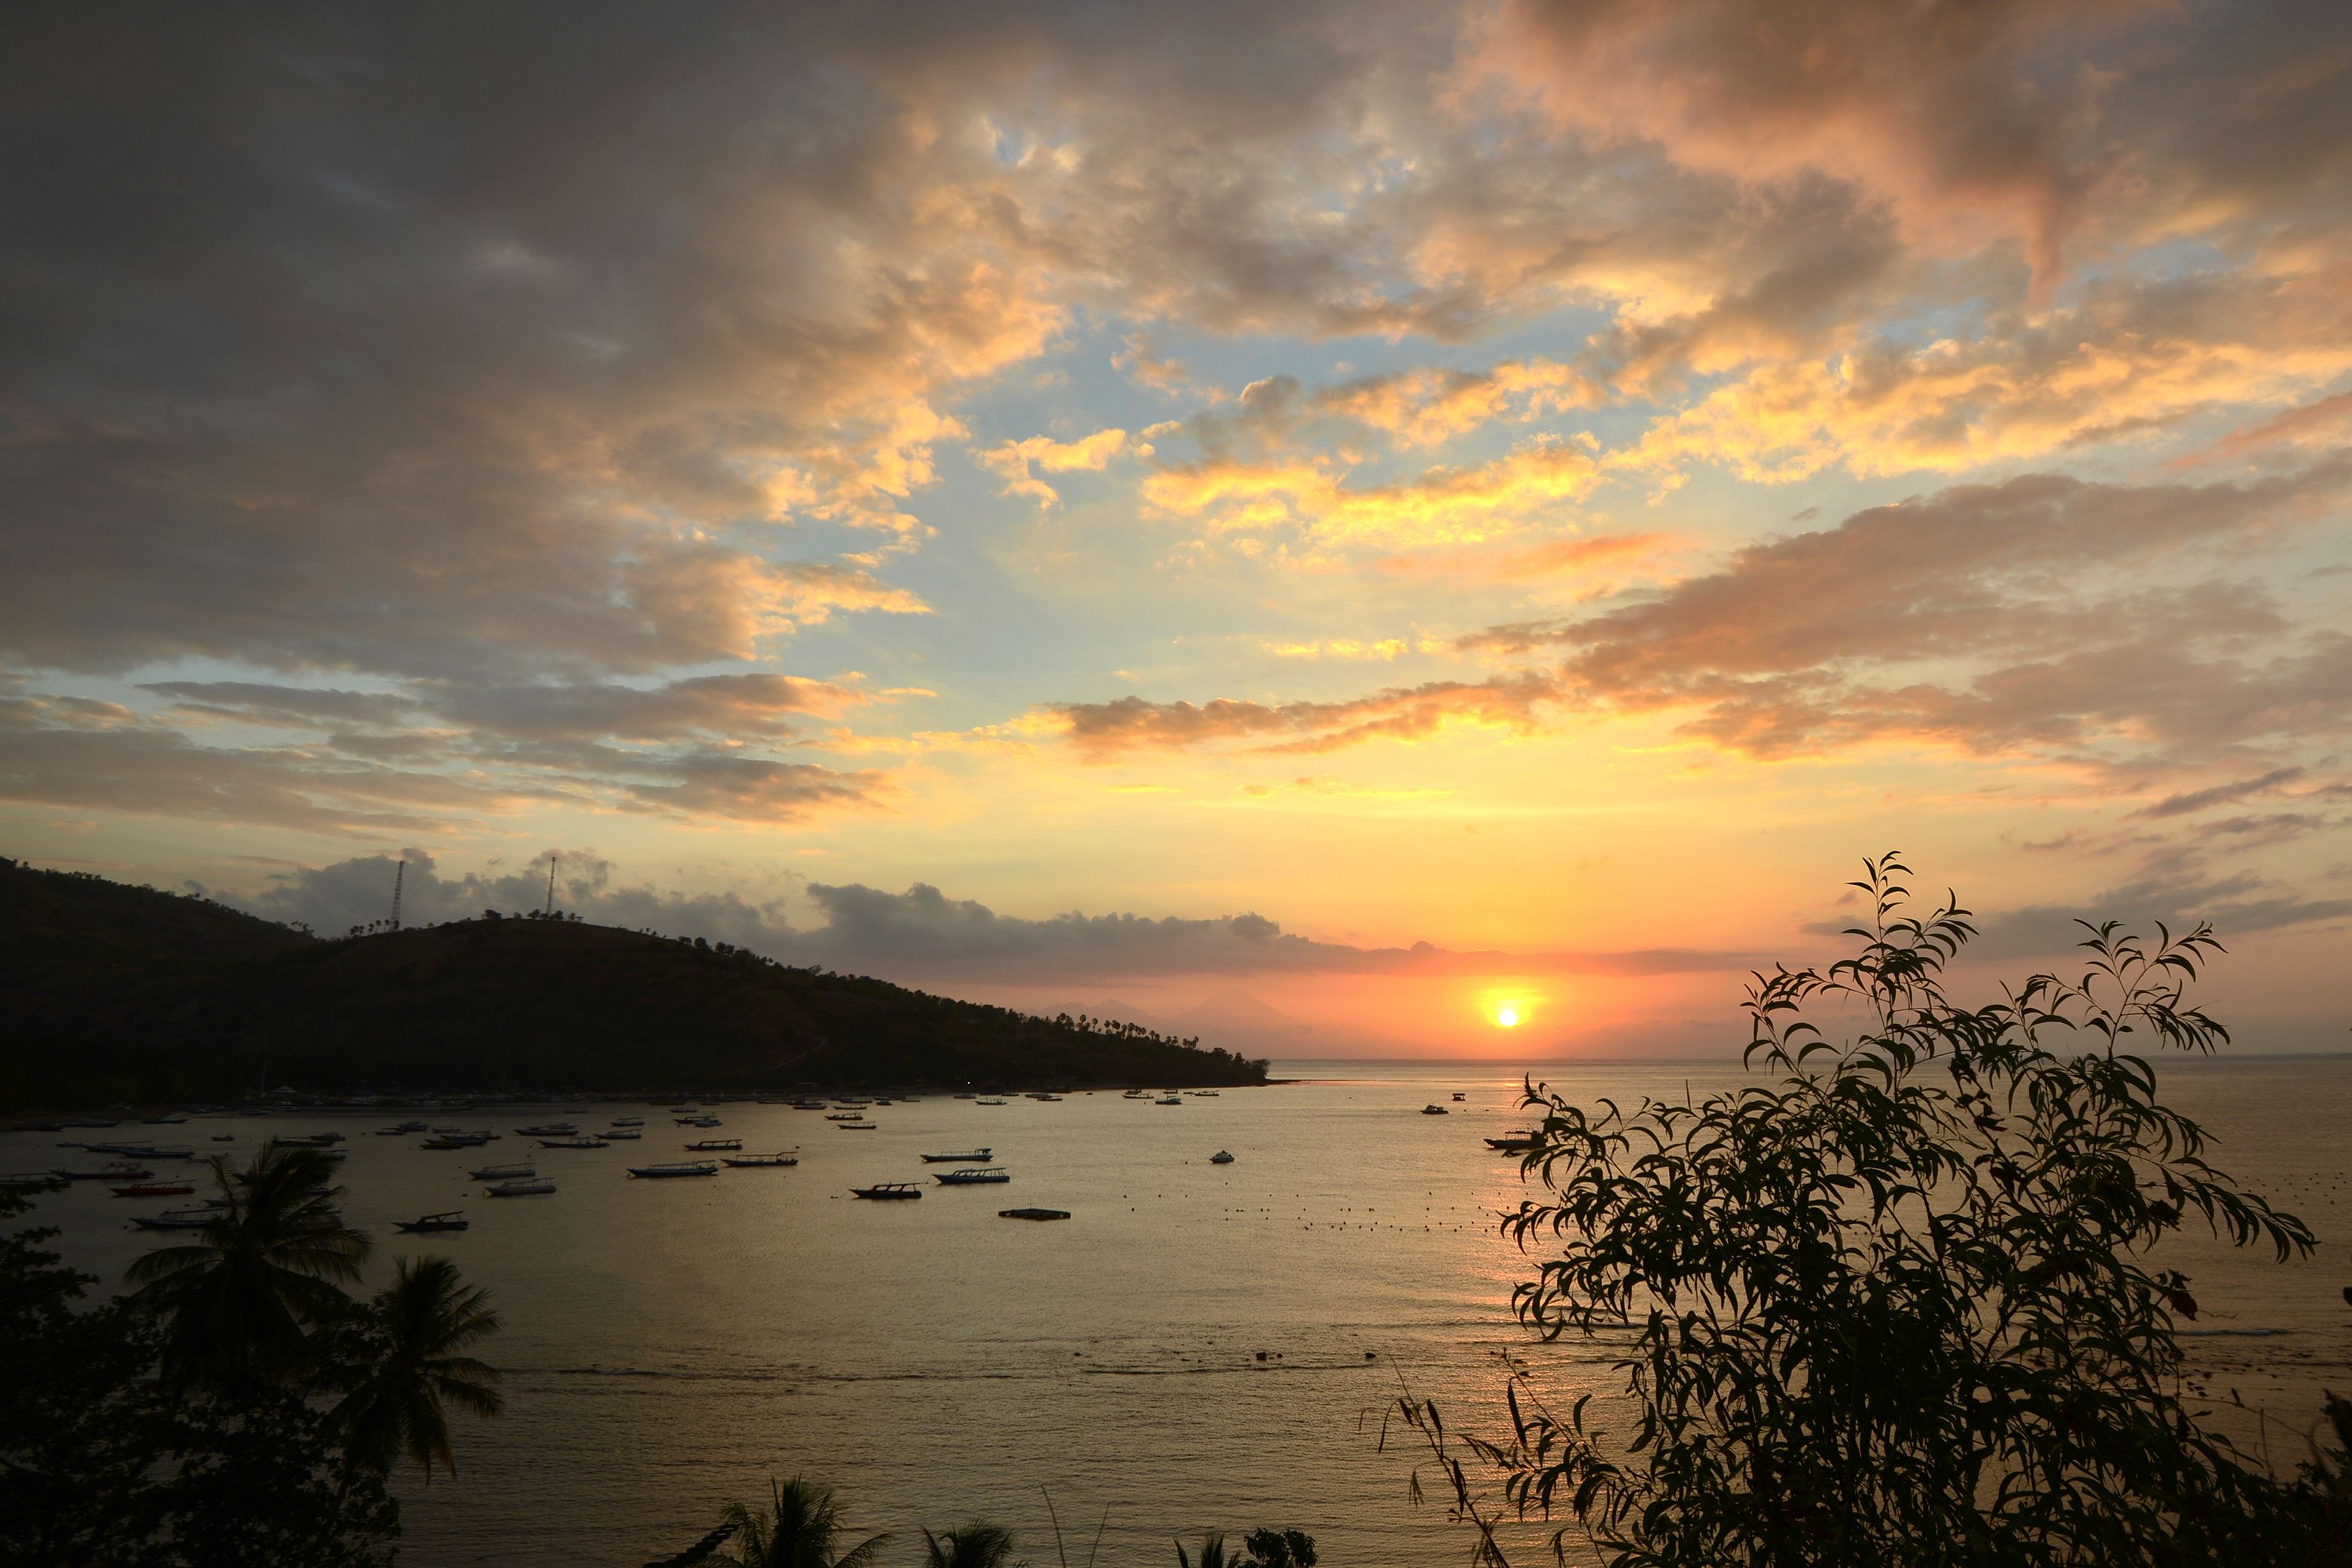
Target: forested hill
x: 110, y: 992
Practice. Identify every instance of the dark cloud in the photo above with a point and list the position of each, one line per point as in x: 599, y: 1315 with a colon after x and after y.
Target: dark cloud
x: 1107, y: 729
x: 2219, y: 794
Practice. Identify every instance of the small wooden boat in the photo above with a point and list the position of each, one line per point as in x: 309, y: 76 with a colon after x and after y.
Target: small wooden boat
x: 317, y: 1140
x: 223, y: 1137
x: 856, y: 1127
x: 1032, y: 1214
x: 504, y: 1173
x: 547, y: 1130
x: 154, y: 1190
x: 433, y: 1223
x: 888, y: 1190
x: 525, y: 1187
x: 748, y: 1162
x: 987, y: 1102
x: 1170, y: 1100
x: 574, y: 1144
x: 628, y: 1121
x: 696, y: 1121
x: 175, y: 1220
x: 1459, y: 1097
x: 111, y: 1172
x: 1513, y: 1143
x: 620, y: 1133
x: 676, y: 1169
x: 160, y: 1121
x: 1433, y: 1111
x: 713, y: 1145
x: 989, y: 1177
x: 979, y: 1156
x: 1220, y: 1158
x: 401, y: 1130
x: 846, y: 1116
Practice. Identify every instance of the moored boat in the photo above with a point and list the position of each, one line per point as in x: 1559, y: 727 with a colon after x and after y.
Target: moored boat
x: 1220, y: 1158
x: 676, y: 1169
x: 121, y: 1172
x: 713, y: 1145
x: 888, y: 1190
x: 988, y: 1176
x: 979, y: 1156
x: 434, y: 1224
x: 154, y: 1190
x: 1170, y: 1100
x: 526, y: 1187
x: 628, y: 1121
x: 547, y: 1130
x: 1433, y: 1111
x: 518, y: 1172
x: 1032, y: 1214
x: 30, y: 1181
x: 1513, y: 1143
x: 175, y: 1220
x: 625, y: 1133
x: 574, y: 1144
x: 746, y: 1162
x: 856, y: 1127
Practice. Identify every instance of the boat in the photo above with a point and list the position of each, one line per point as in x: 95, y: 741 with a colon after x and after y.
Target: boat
x: 628, y: 1121
x: 883, y: 1191
x: 223, y: 1137
x: 747, y: 1161
x: 697, y: 1121
x: 160, y: 1121
x: 987, y: 1102
x: 574, y: 1144
x: 1048, y: 1099
x: 175, y: 1220
x: 713, y: 1145
x: 1459, y: 1097
x: 112, y: 1173
x: 317, y: 1140
x: 1032, y: 1214
x: 966, y: 1094
x: 979, y: 1156
x: 1170, y: 1100
x: 620, y: 1133
x: 1220, y: 1158
x: 401, y: 1130
x: 1433, y: 1111
x: 150, y: 1152
x: 154, y: 1190
x: 1205, y: 1093
x: 522, y: 1187
x: 676, y: 1169
x: 989, y: 1177
x: 846, y: 1116
x: 549, y: 1130
x: 29, y: 1181
x: 433, y: 1223
x: 808, y: 1104
x: 504, y: 1173
x: 856, y: 1127
x: 1515, y: 1143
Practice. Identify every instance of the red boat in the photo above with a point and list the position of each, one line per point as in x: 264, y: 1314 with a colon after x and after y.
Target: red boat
x: 154, y: 1190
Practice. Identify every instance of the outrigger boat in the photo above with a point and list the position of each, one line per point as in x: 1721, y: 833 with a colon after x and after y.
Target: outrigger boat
x: 713, y: 1145
x: 1171, y: 1100
x: 748, y: 1161
x: 549, y: 1130
x: 882, y: 1191
x: 990, y: 1177
x: 856, y: 1127
x: 175, y: 1220
x: 979, y: 1156
x: 1513, y: 1143
x: 111, y: 1172
x: 628, y: 1121
x: 454, y: 1221
x: 574, y: 1144
x: 676, y: 1169
x: 620, y: 1133
x: 520, y: 1171
x: 525, y: 1187
x: 846, y: 1116
x: 154, y: 1190
x: 30, y: 1181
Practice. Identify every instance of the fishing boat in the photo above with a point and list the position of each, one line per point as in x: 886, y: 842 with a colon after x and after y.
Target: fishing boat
x: 987, y: 1102
x: 574, y: 1144
x: 1220, y: 1158
x: 1170, y: 1100
x: 522, y: 1187
x: 697, y: 1121
x: 154, y: 1190
x: 29, y: 1181
x: 748, y: 1162
x: 547, y: 1130
x: 1049, y: 1098
x: 621, y: 1132
x: 1513, y: 1143
x: 433, y: 1223
x: 676, y: 1169
x: 966, y: 1094
x: 1433, y: 1111
x: 150, y: 1152
x: 628, y: 1121
x: 714, y: 1145
x: 979, y: 1156
x: 223, y: 1137
x: 1459, y: 1097
x: 160, y: 1121
x: 1032, y: 1214
x: 846, y: 1116
x: 316, y: 1140
x: 175, y: 1219
x: 989, y: 1177
x: 884, y: 1191
x: 112, y: 1173
x: 519, y: 1172
x: 401, y: 1130
x: 808, y: 1104
x: 856, y: 1127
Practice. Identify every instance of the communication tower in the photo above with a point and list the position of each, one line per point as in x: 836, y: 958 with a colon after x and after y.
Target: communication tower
x: 551, y: 858
x: 398, y: 877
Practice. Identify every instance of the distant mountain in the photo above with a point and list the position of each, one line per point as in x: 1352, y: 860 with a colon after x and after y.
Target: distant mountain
x: 110, y: 992
x: 1238, y: 1016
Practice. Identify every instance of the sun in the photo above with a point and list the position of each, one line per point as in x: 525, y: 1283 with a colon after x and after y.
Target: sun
x: 1507, y: 1017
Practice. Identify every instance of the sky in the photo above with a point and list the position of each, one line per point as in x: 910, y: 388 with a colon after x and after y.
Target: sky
x: 1319, y: 523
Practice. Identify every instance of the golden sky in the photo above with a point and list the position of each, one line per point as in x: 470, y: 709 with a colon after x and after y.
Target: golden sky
x: 1330, y: 522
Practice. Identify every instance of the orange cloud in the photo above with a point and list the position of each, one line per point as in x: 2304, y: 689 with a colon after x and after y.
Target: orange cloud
x: 1015, y: 460
x: 1104, y: 731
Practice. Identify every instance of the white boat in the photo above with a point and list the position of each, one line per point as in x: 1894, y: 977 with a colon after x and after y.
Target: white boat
x: 620, y: 1133
x: 1220, y: 1158
x: 504, y: 1173
x: 987, y: 1102
x: 523, y: 1189
x: 176, y: 1219
x: 676, y: 1169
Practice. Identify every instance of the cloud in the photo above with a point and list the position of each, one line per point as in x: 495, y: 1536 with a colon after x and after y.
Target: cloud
x: 2237, y: 906
x: 1105, y: 731
x: 1526, y: 562
x: 1016, y: 461
x: 2221, y: 794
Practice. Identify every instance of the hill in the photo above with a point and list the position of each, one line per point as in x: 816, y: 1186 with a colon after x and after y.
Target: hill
x: 110, y: 992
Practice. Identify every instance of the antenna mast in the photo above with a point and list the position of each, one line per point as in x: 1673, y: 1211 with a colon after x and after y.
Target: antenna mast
x: 398, y: 877
x: 551, y: 858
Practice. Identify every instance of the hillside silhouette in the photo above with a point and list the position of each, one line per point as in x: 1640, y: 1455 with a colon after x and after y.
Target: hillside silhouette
x: 111, y: 992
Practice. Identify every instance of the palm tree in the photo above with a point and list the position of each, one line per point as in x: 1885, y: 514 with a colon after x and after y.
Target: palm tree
x: 237, y: 1303
x: 977, y: 1545
x: 1213, y: 1553
x: 427, y: 1319
x: 798, y: 1530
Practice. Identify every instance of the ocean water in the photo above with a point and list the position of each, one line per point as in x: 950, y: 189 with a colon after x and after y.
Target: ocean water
x: 1199, y: 1346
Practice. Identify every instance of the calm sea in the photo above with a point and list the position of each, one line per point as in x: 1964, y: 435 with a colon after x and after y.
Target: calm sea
x: 1201, y: 1345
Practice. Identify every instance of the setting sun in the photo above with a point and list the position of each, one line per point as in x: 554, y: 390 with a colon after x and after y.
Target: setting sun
x: 1507, y: 1017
